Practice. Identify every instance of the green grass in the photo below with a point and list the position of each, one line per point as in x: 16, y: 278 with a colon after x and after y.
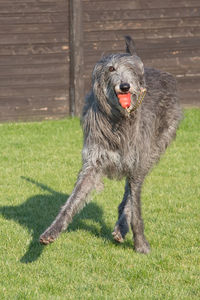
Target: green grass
x: 39, y: 163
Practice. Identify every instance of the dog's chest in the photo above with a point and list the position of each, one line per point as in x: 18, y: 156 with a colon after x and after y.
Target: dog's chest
x: 118, y: 165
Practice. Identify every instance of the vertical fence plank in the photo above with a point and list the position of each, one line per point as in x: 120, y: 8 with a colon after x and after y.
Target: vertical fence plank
x: 76, y: 88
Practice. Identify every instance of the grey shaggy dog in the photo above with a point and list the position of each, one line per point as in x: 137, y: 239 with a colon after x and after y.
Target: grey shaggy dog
x: 122, y: 140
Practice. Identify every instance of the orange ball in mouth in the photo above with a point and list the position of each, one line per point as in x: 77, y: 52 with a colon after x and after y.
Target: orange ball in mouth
x: 124, y: 100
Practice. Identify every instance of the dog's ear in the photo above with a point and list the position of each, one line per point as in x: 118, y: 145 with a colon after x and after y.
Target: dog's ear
x: 130, y: 45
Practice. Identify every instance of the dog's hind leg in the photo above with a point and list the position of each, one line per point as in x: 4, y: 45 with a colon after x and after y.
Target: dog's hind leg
x: 86, y: 181
x: 124, y: 216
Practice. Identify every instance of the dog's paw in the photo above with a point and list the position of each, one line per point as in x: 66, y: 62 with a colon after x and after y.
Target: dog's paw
x: 46, y: 238
x: 142, y: 246
x: 117, y: 236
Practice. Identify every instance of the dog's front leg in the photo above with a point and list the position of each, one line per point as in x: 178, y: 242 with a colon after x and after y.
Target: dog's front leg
x: 140, y: 243
x: 85, y: 183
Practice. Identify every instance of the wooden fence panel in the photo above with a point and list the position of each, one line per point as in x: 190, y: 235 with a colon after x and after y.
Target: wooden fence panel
x: 34, y: 59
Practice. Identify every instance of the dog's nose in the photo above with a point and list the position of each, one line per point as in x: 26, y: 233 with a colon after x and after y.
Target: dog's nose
x: 124, y: 87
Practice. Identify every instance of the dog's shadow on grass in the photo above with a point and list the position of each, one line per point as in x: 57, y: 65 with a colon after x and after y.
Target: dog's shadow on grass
x: 37, y: 213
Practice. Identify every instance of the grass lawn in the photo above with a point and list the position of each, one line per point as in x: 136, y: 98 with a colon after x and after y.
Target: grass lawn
x: 39, y: 163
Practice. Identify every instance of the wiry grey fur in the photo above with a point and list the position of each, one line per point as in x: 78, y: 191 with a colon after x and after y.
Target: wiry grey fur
x: 119, y: 143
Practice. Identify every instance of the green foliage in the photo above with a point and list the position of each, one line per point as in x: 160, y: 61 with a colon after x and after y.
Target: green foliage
x: 39, y: 163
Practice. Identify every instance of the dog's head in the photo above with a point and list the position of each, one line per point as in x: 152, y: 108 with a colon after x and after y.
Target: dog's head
x: 118, y: 79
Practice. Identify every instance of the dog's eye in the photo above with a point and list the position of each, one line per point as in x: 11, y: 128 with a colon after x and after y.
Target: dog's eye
x: 111, y: 69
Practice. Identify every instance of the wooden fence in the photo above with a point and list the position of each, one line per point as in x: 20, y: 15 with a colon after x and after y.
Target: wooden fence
x: 49, y: 47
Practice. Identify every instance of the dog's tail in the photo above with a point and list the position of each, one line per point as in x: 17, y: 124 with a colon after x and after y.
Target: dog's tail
x: 130, y: 45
